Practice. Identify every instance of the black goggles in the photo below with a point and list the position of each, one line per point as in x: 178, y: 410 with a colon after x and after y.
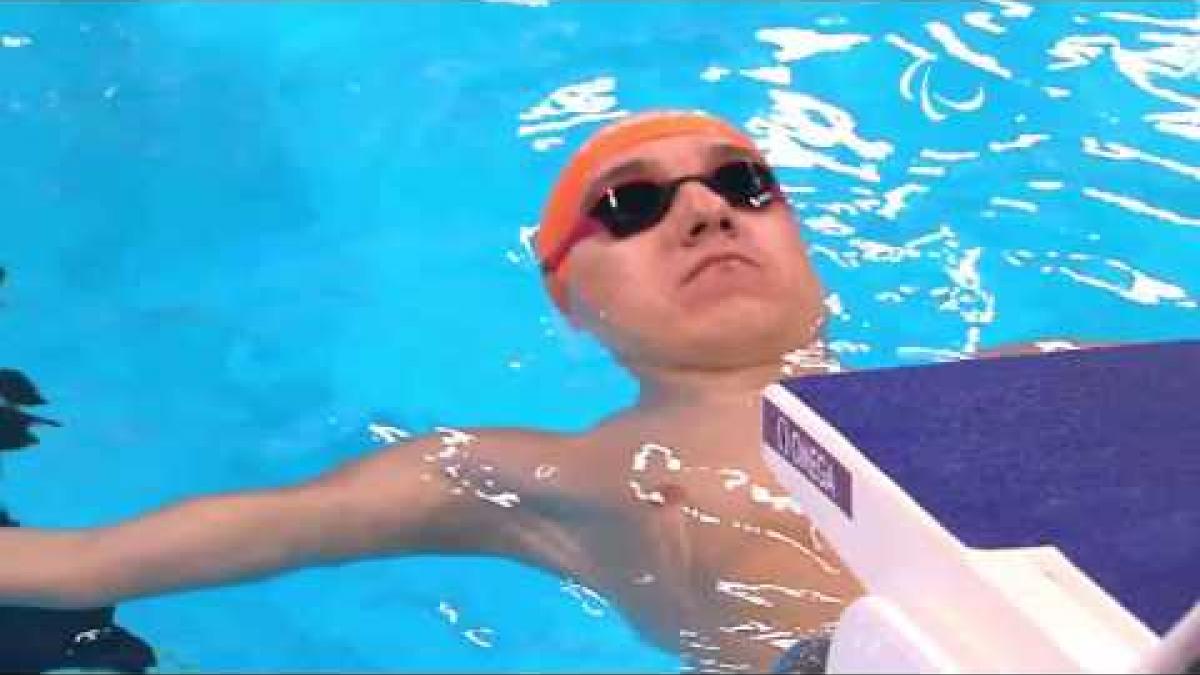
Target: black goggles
x: 636, y: 206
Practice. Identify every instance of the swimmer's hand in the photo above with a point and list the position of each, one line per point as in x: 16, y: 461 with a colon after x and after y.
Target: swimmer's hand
x: 387, y: 502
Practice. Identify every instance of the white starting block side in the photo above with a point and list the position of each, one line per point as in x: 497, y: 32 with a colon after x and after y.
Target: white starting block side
x: 935, y: 605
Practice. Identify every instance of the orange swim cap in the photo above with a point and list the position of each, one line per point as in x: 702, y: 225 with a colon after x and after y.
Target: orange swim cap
x: 563, y: 210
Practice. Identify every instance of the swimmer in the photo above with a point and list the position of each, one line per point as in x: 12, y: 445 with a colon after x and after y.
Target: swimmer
x: 668, y: 238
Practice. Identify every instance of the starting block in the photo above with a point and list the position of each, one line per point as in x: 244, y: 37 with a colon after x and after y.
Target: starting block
x: 1018, y: 514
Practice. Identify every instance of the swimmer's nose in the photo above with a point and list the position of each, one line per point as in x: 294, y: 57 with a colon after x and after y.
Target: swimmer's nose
x: 702, y: 214
x: 702, y: 228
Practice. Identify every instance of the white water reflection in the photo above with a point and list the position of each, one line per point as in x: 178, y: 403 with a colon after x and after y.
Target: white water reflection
x: 1138, y: 206
x: 801, y: 43
x: 802, y: 131
x: 588, y: 102
x: 1174, y: 57
x: 767, y: 595
x: 1125, y: 153
x: 1123, y: 280
x: 480, y: 636
x: 956, y: 47
x: 591, y: 602
x: 1019, y: 143
x: 15, y: 41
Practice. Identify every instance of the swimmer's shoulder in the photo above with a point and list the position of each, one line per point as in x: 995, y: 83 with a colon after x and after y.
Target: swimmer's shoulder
x: 517, y: 444
x: 528, y: 448
x: 569, y: 467
x: 511, y: 450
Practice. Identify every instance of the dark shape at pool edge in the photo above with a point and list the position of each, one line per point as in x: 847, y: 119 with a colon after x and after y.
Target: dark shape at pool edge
x: 15, y: 427
x: 34, y: 639
x: 17, y: 389
x: 37, y: 640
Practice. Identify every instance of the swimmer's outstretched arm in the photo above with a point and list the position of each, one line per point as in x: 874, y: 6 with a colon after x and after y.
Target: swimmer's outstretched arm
x: 372, y: 506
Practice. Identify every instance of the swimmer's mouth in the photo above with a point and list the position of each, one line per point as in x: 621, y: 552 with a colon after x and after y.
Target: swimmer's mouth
x: 715, y: 260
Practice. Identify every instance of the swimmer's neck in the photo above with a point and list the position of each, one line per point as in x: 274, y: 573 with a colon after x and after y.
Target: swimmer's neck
x: 671, y: 392
x: 668, y: 392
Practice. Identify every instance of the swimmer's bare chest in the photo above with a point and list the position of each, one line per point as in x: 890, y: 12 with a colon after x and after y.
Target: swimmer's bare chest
x: 707, y: 559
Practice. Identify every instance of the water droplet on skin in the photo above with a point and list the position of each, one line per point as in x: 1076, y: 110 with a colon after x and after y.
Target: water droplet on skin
x: 643, y: 495
x: 454, y: 436
x: 734, y: 478
x: 504, y: 499
x: 387, y: 434
x: 641, y: 458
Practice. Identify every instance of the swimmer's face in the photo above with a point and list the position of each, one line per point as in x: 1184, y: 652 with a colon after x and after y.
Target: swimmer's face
x: 710, y: 285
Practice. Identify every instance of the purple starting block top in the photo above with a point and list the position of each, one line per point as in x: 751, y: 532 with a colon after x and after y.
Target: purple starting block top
x: 1096, y: 452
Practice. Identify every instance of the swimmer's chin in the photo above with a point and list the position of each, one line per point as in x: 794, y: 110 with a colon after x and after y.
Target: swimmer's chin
x: 724, y: 300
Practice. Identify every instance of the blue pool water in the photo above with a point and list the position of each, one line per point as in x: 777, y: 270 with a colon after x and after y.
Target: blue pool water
x: 238, y: 235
